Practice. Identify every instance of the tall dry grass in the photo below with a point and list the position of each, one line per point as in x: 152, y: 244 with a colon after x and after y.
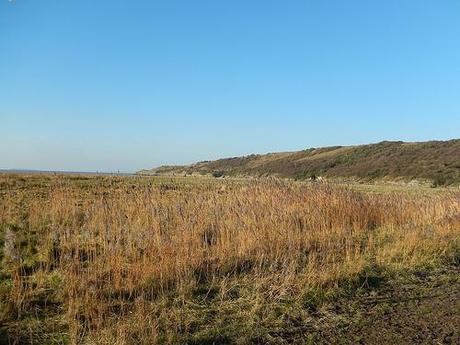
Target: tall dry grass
x: 144, y: 263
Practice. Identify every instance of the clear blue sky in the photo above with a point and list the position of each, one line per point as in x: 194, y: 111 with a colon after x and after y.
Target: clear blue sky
x: 123, y: 85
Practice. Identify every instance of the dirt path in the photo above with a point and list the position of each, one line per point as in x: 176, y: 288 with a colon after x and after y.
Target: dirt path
x: 423, y: 308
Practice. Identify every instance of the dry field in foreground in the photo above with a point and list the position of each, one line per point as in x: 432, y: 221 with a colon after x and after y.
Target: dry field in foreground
x: 128, y: 260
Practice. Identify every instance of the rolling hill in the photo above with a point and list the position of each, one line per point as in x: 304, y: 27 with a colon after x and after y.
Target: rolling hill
x: 434, y: 161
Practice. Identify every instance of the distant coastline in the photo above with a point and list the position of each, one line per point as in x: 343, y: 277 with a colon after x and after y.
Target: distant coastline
x: 59, y: 172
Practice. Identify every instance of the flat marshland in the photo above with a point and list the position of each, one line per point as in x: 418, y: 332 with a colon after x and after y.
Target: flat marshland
x: 137, y: 260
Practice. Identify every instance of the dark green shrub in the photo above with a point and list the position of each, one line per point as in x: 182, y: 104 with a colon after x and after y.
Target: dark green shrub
x: 218, y: 173
x: 438, y: 181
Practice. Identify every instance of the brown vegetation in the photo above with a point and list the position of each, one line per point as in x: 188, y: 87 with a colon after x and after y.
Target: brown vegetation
x: 135, y: 260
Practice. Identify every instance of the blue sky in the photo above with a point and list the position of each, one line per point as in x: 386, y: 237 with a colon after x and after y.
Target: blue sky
x: 123, y: 85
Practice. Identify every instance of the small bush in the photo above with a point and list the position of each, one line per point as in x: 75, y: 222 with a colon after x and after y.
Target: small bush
x: 217, y: 173
x: 439, y: 181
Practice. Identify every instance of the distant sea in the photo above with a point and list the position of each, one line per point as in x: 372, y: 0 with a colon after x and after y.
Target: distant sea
x: 57, y: 172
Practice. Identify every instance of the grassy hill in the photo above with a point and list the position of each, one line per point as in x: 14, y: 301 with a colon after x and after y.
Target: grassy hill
x: 436, y: 161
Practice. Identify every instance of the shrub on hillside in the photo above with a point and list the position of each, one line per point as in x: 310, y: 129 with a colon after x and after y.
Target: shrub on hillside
x: 217, y: 173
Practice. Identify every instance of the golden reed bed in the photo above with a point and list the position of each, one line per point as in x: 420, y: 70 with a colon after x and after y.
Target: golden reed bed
x: 171, y: 261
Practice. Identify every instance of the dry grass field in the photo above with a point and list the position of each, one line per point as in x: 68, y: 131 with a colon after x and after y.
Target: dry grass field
x: 140, y: 260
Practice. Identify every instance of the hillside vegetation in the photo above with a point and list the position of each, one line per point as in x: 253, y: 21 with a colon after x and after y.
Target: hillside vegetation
x: 434, y: 161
